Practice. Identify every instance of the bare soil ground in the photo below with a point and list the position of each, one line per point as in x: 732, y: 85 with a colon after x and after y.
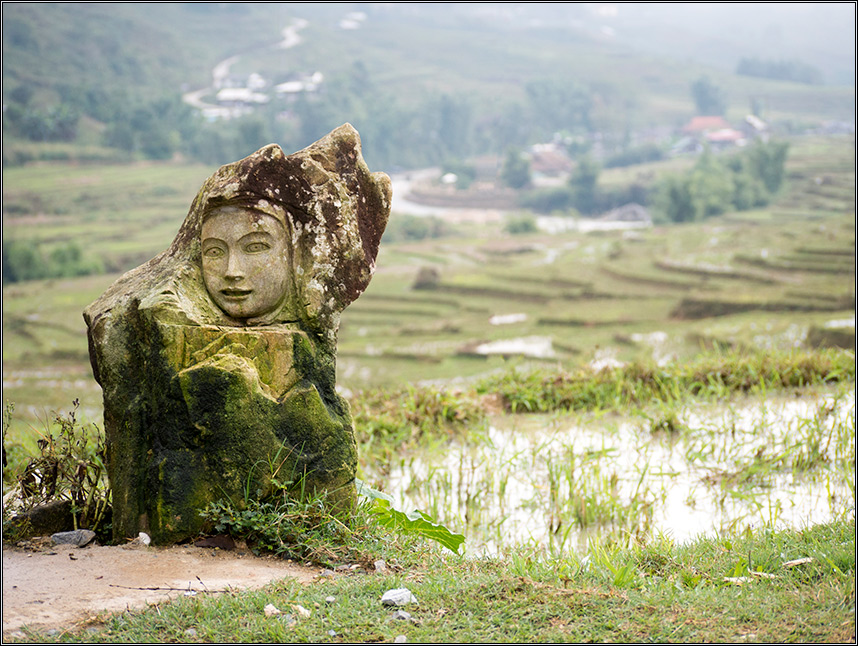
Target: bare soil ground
x: 62, y: 587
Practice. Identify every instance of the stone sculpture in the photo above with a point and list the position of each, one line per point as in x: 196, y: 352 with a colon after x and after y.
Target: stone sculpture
x: 217, y: 358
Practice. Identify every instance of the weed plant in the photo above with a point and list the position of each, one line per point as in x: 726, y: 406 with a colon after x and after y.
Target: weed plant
x: 70, y: 466
x: 713, y: 376
x: 302, y: 528
x: 390, y: 421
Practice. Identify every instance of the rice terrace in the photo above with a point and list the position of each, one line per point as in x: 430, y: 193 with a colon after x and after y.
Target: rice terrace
x: 615, y: 427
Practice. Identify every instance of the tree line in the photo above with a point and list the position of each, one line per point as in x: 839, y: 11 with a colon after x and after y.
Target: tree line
x: 396, y: 133
x: 780, y: 70
x: 716, y: 184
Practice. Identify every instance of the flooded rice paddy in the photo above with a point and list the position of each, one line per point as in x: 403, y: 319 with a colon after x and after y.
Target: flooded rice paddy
x: 704, y: 469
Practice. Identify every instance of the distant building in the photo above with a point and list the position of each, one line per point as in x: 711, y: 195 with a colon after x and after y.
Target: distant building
x: 702, y: 125
x: 549, y: 160
x: 300, y: 83
x: 631, y: 212
x: 240, y: 96
x: 725, y: 137
x: 714, y: 131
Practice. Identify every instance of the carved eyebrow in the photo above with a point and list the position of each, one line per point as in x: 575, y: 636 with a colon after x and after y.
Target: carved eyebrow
x: 252, y: 234
x: 212, y: 240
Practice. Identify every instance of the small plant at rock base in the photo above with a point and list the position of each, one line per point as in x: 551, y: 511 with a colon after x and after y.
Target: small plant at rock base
x: 71, y: 467
x: 304, y: 526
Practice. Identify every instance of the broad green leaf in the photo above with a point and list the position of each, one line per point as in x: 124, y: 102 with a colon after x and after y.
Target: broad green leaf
x: 416, y: 522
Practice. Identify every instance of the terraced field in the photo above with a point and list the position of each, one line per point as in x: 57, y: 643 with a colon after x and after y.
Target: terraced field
x: 780, y: 277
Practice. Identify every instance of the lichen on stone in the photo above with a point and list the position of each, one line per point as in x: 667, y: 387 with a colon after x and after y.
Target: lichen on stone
x: 197, y: 397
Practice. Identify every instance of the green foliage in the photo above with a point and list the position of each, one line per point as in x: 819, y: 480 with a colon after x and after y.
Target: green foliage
x: 388, y: 422
x: 515, y: 172
x: 716, y: 185
x: 583, y: 181
x: 404, y: 228
x: 293, y: 523
x: 767, y: 163
x: 24, y: 260
x: 547, y: 200
x: 520, y: 224
x: 70, y: 466
x: 416, y: 522
x: 636, y: 155
x: 300, y: 526
x: 558, y: 104
x: 51, y: 123
x: 781, y: 70
x: 709, y: 98
x: 710, y: 375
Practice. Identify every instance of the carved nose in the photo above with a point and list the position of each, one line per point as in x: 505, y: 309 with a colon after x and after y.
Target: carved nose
x: 233, y: 268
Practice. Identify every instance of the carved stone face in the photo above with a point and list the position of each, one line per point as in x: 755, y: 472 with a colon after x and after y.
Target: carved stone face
x: 246, y: 263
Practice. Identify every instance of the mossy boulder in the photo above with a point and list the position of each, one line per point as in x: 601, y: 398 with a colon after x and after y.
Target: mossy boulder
x: 200, y: 406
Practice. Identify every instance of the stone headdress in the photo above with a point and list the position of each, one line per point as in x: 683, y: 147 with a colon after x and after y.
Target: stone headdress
x: 333, y: 209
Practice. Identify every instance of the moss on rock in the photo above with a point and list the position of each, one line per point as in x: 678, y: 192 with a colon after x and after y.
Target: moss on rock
x: 199, y: 406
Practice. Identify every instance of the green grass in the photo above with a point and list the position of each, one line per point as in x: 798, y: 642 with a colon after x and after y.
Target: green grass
x: 726, y: 589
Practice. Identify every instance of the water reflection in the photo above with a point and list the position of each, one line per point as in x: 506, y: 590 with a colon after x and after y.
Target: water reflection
x: 702, y: 469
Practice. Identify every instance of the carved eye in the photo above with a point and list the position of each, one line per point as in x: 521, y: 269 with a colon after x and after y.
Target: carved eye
x: 257, y: 247
x: 213, y: 252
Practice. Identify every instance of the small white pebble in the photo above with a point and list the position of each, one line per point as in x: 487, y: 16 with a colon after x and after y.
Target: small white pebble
x: 330, y: 599
x: 271, y: 610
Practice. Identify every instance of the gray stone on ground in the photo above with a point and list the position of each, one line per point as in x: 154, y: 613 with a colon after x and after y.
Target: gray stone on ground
x: 77, y: 537
x: 398, y: 597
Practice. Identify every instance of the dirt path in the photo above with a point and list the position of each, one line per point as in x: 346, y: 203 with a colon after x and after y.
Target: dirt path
x: 62, y: 586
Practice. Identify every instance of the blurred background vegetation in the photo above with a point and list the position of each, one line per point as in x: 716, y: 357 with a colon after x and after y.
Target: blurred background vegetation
x: 113, y: 116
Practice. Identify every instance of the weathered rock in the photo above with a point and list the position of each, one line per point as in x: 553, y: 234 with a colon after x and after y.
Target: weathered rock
x: 77, y: 537
x: 398, y: 597
x: 217, y: 358
x: 50, y: 518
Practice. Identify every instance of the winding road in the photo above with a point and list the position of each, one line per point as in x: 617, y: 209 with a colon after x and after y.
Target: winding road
x: 291, y: 38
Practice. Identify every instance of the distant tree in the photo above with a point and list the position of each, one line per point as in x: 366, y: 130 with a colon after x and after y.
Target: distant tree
x: 515, y: 172
x: 559, y: 105
x: 583, y: 181
x: 714, y: 186
x: 767, y: 162
x: 55, y: 123
x: 22, y: 94
x: 794, y: 71
x: 22, y: 261
x: 635, y: 155
x: 675, y: 199
x: 557, y: 199
x: 520, y: 224
x: 708, y: 97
